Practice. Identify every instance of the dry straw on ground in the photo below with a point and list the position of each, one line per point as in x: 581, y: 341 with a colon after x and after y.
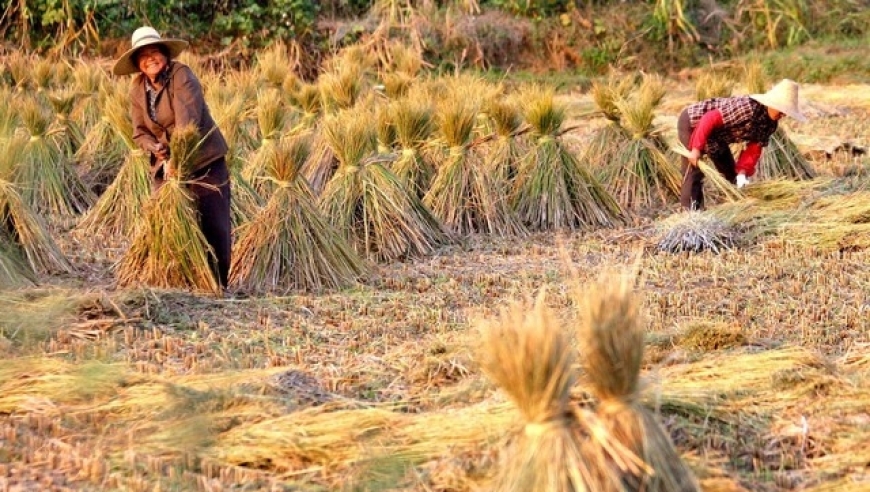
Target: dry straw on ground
x: 169, y: 249
x: 611, y: 336
x: 290, y: 244
x: 694, y: 231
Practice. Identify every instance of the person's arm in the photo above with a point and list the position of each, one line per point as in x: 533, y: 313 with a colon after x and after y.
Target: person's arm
x: 710, y: 121
x: 748, y: 159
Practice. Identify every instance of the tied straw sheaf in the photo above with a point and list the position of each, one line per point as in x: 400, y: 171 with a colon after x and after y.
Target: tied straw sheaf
x: 563, y: 447
x: 728, y: 191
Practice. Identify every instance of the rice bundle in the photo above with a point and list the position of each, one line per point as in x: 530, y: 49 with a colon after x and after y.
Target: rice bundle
x: 23, y: 229
x: 507, y: 149
x: 364, y: 200
x: 612, y: 136
x: 43, y: 73
x: 246, y: 202
x: 20, y: 68
x: 103, y: 150
x: 528, y: 356
x: 45, y: 174
x: 89, y: 81
x: 306, y: 97
x: 273, y: 65
x: 465, y: 196
x: 341, y: 87
x: 712, y: 84
x: 640, y: 175
x: 120, y: 207
x: 413, y: 120
x: 694, y: 231
x: 552, y: 189
x: 271, y: 120
x: 70, y: 135
x: 290, y: 244
x: 781, y: 158
x: 721, y: 186
x: 14, y: 270
x: 168, y: 249
x: 612, y: 340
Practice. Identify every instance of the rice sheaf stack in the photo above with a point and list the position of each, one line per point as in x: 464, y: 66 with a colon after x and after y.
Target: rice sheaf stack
x: 169, y: 250
x: 525, y: 352
x: 611, y: 338
x: 290, y: 244
x: 552, y: 189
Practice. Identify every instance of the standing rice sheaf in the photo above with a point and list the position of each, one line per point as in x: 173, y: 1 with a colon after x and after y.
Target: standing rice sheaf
x: 552, y: 189
x: 611, y: 337
x: 290, y: 244
x: 640, y: 174
x: 169, y: 249
x: 466, y: 196
x: 525, y: 352
x: 381, y: 217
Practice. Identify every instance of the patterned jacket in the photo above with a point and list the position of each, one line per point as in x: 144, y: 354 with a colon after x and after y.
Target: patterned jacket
x: 744, y: 120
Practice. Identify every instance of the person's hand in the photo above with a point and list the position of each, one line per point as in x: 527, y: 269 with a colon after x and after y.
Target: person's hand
x: 694, y: 156
x: 742, y: 180
x: 161, y: 153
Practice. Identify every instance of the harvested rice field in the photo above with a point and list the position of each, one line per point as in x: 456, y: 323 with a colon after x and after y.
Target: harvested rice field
x: 387, y: 370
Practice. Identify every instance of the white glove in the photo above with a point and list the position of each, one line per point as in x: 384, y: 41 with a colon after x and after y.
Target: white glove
x: 742, y: 180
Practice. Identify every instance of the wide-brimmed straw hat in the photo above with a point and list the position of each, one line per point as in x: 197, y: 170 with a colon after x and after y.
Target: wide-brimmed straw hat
x: 783, y: 97
x: 146, y: 36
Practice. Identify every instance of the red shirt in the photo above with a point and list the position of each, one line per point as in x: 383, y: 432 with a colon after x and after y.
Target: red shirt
x: 712, y: 120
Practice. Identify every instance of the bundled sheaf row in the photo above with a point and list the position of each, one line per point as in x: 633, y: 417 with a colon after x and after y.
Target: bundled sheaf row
x: 432, y: 159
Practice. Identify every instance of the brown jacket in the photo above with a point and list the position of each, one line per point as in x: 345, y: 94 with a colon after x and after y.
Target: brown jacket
x: 179, y: 102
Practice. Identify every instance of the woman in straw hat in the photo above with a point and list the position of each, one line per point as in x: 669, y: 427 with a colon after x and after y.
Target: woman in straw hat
x: 165, y: 94
x: 711, y: 125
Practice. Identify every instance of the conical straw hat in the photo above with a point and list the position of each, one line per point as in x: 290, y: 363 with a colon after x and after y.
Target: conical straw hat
x: 782, y: 97
x: 145, y: 36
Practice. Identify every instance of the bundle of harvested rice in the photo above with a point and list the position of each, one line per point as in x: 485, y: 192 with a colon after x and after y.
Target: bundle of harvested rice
x: 272, y: 116
x: 341, y: 87
x: 507, y: 148
x: 20, y: 66
x: 169, y: 249
x: 381, y: 217
x: 552, y: 189
x: 290, y: 244
x: 413, y: 120
x: 103, y: 150
x: 14, y: 270
x: 611, y: 336
x: 22, y: 227
x: 306, y: 98
x: 45, y: 175
x: 89, y: 80
x: 273, y: 65
x: 721, y: 187
x: 119, y: 208
x: 712, y: 84
x: 69, y: 136
x: 640, y: 175
x: 465, y: 196
x: 526, y: 353
x: 246, y: 202
x: 694, y: 231
x: 45, y: 71
x: 610, y: 137
x: 385, y: 131
x: 781, y: 158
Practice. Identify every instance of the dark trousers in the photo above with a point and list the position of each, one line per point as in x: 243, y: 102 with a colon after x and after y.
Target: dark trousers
x: 211, y: 190
x: 692, y: 190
